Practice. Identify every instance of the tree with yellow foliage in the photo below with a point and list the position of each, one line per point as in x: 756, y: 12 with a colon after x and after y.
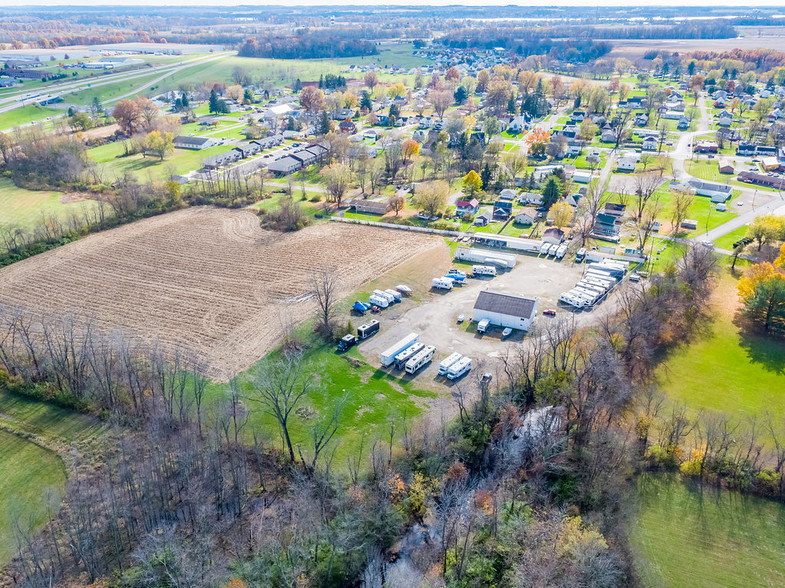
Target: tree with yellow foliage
x: 562, y: 214
x: 409, y: 148
x: 762, y: 292
x: 472, y: 183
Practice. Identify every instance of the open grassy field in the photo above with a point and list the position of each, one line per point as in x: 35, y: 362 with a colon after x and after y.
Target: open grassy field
x: 686, y: 535
x: 29, y: 473
x: 110, y: 156
x: 21, y: 208
x: 209, y: 280
x: 27, y: 469
x: 706, y: 169
x: 25, y: 115
x: 726, y: 368
x: 110, y: 91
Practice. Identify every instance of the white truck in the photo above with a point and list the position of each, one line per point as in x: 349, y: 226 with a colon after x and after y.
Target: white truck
x: 442, y: 283
x: 447, y: 362
x: 387, y: 357
x: 483, y: 270
x: 459, y: 368
x: 420, y: 359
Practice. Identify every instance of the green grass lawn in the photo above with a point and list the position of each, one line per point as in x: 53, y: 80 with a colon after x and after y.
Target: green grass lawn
x: 29, y: 469
x: 21, y: 208
x: 686, y: 535
x: 706, y: 169
x: 111, y: 91
x: 727, y: 240
x: 26, y: 115
x: 29, y: 472
x: 368, y: 397
x: 726, y: 368
x: 182, y: 161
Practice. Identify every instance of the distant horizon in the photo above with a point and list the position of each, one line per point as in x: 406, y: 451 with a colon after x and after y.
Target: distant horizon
x: 398, y: 3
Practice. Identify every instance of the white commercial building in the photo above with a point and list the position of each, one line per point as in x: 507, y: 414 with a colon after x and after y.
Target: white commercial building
x: 505, y: 310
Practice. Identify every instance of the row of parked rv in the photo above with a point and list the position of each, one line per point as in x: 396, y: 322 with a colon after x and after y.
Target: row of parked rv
x: 410, y: 354
x: 380, y: 299
x: 456, y: 277
x: 557, y: 250
x: 598, y: 280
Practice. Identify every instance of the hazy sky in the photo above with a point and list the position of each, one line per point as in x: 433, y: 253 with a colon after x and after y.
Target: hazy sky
x: 585, y: 3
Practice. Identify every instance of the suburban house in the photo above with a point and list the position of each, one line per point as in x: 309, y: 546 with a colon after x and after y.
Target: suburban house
x: 706, y: 147
x: 197, y: 143
x: 518, y: 125
x: 607, y: 225
x: 641, y: 119
x: 502, y: 209
x: 370, y: 206
x: 683, y: 124
x: 483, y: 219
x: 626, y: 164
x: 649, y: 144
x: 724, y: 119
x: 553, y: 235
x: 466, y: 207
x: 505, y: 310
x: 534, y: 198
x: 608, y: 136
x: 615, y: 209
x: 593, y: 156
x: 527, y: 216
x: 507, y: 194
x: 582, y: 177
x: 717, y: 192
x: 347, y: 126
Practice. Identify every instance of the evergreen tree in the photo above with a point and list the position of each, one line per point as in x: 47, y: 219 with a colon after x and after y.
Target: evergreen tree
x: 511, y: 104
x: 366, y: 101
x: 460, y: 94
x: 184, y: 99
x: 551, y: 192
x: 487, y: 177
x: 324, y: 123
x: 298, y: 85
x: 394, y: 111
x: 213, y: 104
x: 321, y: 81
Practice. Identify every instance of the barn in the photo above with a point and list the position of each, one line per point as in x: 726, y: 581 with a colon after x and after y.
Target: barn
x: 505, y: 310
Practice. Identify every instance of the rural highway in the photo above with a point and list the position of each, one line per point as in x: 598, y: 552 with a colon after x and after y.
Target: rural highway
x: 11, y: 102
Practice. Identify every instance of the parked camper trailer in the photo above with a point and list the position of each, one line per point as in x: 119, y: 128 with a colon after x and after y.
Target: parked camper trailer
x: 379, y: 301
x: 386, y: 295
x: 545, y: 246
x: 442, y: 283
x: 483, y: 270
x: 483, y: 325
x: 459, y: 368
x: 407, y: 354
x: 420, y: 359
x: 395, y: 294
x: 581, y: 255
x: 561, y: 252
x: 346, y: 342
x: 387, y: 357
x: 569, y: 298
x: 368, y: 329
x: 448, y: 362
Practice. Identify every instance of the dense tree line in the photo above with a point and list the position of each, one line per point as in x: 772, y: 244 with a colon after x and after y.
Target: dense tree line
x: 306, y: 46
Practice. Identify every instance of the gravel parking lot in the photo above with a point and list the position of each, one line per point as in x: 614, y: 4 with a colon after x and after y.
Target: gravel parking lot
x: 435, y: 318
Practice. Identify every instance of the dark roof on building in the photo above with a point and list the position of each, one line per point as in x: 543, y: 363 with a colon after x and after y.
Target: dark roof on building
x: 505, y: 304
x: 195, y: 141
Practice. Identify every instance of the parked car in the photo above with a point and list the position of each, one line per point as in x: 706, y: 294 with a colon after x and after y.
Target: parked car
x: 461, y: 318
x: 549, y: 312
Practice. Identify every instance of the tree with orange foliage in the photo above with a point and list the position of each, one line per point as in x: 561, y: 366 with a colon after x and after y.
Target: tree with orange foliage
x: 128, y: 116
x: 409, y: 149
x: 452, y: 75
x: 536, y: 141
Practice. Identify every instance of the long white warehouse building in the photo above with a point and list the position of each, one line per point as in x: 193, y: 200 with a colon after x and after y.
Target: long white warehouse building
x: 505, y: 310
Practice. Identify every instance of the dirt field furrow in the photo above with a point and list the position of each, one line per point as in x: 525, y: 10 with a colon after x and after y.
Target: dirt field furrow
x: 204, y: 279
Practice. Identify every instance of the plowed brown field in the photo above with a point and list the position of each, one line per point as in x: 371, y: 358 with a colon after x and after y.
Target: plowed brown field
x: 203, y: 279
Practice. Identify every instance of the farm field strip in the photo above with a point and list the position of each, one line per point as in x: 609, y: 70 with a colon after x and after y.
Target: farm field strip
x: 203, y: 279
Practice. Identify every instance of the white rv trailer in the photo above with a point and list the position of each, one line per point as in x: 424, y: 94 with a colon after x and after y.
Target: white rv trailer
x: 407, y: 354
x: 387, y: 357
x: 379, y: 301
x: 382, y: 294
x: 420, y: 359
x: 459, y: 368
x: 395, y: 294
x: 447, y: 362
x: 442, y: 283
x: 561, y: 252
x: 568, y: 298
x: 483, y: 270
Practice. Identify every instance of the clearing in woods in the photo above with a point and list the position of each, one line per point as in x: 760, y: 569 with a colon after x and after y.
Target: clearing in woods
x: 203, y: 279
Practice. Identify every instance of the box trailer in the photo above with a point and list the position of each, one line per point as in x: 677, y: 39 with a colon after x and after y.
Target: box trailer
x: 447, y: 362
x: 378, y: 301
x: 484, y: 257
x: 407, y: 354
x: 420, y: 359
x: 387, y: 357
x: 368, y: 329
x: 459, y: 368
x: 442, y: 283
x: 483, y: 270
